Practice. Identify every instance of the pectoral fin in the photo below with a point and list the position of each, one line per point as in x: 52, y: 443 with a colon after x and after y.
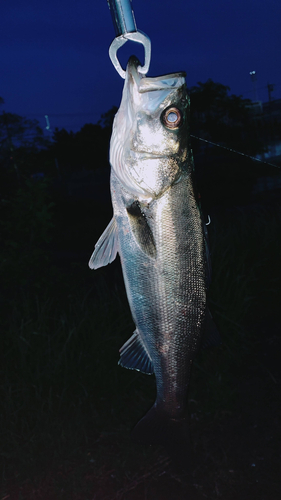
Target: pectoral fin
x: 141, y: 229
x: 134, y: 355
x: 106, y: 247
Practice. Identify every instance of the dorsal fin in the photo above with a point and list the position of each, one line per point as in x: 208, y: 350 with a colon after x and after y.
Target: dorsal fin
x: 141, y: 229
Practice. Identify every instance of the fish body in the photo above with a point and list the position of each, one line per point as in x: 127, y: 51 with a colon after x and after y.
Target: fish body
x: 157, y: 229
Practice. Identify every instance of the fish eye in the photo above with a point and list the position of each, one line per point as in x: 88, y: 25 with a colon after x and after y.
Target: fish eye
x: 172, y: 118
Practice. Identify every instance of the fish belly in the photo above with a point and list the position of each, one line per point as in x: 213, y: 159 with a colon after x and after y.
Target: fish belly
x: 167, y: 290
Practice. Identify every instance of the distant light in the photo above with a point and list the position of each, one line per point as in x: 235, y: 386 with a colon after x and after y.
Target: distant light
x: 252, y: 72
x: 48, y: 123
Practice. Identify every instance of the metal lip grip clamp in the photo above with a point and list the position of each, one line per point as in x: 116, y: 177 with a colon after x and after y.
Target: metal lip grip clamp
x: 126, y: 29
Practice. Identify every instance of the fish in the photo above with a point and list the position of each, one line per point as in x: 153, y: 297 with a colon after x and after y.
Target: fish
x: 159, y: 233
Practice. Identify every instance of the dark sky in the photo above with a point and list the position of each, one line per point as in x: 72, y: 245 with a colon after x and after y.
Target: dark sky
x: 54, y: 54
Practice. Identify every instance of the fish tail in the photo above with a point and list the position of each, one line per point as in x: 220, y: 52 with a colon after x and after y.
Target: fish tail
x: 159, y: 428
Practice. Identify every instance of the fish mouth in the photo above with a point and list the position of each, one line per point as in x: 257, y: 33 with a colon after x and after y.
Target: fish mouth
x: 132, y: 70
x: 147, y: 84
x: 145, y: 155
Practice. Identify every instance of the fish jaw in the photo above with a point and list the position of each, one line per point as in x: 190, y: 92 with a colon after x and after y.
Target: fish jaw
x: 146, y: 156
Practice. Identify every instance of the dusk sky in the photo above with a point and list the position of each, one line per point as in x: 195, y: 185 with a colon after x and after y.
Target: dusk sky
x: 54, y: 54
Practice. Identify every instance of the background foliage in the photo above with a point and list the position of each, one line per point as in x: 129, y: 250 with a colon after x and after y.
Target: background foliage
x: 62, y: 392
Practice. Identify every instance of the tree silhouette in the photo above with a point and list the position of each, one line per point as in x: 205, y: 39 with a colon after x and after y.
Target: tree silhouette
x: 223, y: 176
x: 226, y: 119
x: 21, y: 140
x: 87, y: 149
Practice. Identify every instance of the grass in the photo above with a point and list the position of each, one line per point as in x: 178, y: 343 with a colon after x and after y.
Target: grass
x: 245, y: 247
x: 246, y: 287
x: 63, y: 394
x: 61, y: 385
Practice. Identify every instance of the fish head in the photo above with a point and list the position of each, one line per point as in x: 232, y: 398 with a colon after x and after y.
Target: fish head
x: 149, y: 146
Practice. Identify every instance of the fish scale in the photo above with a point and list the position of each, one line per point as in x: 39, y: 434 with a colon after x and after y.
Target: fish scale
x: 175, y: 276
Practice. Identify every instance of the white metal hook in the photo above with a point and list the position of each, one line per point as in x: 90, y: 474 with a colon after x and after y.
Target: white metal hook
x: 126, y: 29
x: 136, y: 36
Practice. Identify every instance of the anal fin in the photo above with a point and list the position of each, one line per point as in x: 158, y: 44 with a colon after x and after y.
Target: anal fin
x: 106, y: 247
x: 134, y: 355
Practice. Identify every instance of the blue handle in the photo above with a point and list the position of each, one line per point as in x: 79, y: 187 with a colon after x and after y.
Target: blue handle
x: 122, y: 16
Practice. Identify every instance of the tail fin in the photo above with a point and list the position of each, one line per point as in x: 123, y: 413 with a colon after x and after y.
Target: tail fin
x: 158, y: 428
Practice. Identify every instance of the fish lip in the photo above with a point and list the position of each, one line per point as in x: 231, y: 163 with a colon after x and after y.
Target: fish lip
x: 132, y: 70
x: 141, y: 155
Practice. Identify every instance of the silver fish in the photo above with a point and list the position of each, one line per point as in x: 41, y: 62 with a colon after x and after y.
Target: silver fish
x: 158, y: 231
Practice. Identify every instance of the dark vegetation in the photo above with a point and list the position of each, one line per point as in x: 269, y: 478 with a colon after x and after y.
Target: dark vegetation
x: 66, y: 407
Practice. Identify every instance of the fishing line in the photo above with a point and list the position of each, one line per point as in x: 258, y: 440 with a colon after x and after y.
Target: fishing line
x: 234, y: 151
